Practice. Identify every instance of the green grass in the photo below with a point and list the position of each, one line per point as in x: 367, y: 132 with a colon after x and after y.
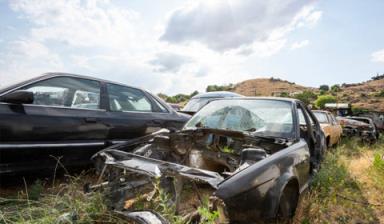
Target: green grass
x: 340, y: 193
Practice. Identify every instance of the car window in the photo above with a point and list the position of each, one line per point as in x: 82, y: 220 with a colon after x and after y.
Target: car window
x: 332, y: 119
x: 122, y: 98
x: 196, y: 104
x: 160, y: 106
x: 301, y: 116
x: 66, y: 92
x: 322, y: 117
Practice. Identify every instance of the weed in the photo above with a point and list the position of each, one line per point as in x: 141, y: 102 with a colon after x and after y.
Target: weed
x: 34, y: 192
x: 69, y: 203
x: 207, y: 215
x: 378, y: 162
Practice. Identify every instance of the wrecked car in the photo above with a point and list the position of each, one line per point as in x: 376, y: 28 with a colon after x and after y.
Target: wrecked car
x: 362, y: 127
x: 330, y: 126
x: 71, y: 117
x: 251, y: 158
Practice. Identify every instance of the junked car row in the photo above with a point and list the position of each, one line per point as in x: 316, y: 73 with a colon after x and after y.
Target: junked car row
x: 250, y: 157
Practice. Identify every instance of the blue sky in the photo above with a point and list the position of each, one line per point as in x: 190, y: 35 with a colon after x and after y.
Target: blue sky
x: 174, y: 46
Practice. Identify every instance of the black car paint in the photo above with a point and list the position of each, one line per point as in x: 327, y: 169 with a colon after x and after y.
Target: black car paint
x: 254, y: 193
x: 34, y: 137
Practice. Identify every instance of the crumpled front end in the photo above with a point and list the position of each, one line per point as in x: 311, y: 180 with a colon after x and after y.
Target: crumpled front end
x: 181, y: 172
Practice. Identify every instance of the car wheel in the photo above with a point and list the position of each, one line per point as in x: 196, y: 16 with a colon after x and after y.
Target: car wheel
x: 288, y: 202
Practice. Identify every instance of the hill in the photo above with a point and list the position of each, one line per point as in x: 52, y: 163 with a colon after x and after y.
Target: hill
x: 268, y: 87
x: 366, y: 95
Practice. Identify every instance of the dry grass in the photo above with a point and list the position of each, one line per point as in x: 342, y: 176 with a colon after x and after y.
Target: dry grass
x: 348, y: 188
x: 266, y: 87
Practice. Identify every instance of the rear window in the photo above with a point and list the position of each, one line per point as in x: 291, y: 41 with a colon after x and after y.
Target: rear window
x: 321, y: 117
x: 122, y: 98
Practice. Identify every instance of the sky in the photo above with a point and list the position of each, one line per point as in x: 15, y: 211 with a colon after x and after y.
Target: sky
x: 175, y: 46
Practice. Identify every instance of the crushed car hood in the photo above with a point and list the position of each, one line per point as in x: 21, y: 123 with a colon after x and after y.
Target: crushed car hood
x: 157, y: 168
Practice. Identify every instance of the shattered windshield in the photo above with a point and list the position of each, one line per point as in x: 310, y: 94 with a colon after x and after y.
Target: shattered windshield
x: 260, y: 117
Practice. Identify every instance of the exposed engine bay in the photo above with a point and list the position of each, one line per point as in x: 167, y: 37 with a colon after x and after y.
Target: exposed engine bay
x: 187, y: 166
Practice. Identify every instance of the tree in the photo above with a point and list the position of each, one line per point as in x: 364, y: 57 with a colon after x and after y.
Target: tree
x: 322, y: 100
x: 162, y: 96
x: 194, y: 93
x: 378, y: 77
x: 213, y: 88
x: 324, y: 88
x: 335, y: 88
x: 306, y: 96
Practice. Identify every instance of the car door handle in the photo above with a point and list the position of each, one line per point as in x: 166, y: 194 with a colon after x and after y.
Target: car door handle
x: 90, y: 120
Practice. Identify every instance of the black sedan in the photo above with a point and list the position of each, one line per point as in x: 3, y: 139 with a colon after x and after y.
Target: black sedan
x: 251, y: 157
x: 67, y: 118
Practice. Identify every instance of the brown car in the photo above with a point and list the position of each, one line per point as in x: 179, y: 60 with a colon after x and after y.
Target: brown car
x: 331, y: 128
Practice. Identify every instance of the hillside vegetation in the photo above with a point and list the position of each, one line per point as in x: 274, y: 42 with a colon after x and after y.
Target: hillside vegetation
x: 366, y: 95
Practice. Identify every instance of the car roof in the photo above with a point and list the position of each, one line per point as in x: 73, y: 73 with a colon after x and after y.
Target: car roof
x: 217, y: 94
x: 57, y: 74
x: 289, y: 100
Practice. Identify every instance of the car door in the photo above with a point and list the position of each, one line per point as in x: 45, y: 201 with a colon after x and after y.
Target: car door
x: 305, y: 127
x: 132, y: 113
x: 62, y: 124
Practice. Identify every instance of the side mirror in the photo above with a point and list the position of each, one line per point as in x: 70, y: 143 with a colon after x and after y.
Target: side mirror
x: 18, y: 97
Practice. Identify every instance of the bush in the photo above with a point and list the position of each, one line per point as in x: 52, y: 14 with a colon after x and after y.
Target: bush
x: 306, y: 97
x: 324, y: 88
x: 378, y: 77
x: 177, y: 98
x: 213, y: 88
x: 378, y: 162
x: 380, y: 94
x: 335, y: 88
x: 322, y: 100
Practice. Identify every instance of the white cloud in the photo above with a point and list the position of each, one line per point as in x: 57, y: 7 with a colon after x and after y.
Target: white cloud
x: 308, y: 17
x: 301, y: 44
x: 378, y: 56
x: 169, y: 62
x: 25, y: 57
x: 81, y: 24
x: 226, y: 25
x: 95, y: 37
